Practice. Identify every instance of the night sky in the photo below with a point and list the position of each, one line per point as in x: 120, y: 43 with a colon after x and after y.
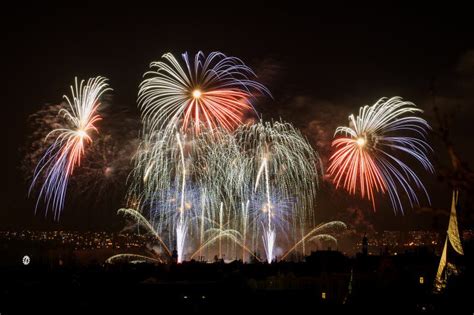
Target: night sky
x: 320, y: 63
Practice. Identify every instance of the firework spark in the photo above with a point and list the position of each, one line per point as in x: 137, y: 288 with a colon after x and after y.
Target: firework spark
x: 226, y: 191
x: 321, y: 231
x: 67, y: 148
x: 213, y: 91
x: 368, y: 156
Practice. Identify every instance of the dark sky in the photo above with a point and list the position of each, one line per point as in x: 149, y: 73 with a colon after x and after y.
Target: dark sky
x: 321, y: 63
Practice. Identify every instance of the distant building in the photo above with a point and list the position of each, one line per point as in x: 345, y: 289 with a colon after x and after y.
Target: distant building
x: 174, y: 256
x: 365, y: 245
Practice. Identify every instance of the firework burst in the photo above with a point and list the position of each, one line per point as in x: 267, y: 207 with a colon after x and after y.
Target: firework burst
x: 368, y: 156
x: 65, y: 153
x: 213, y: 91
x: 230, y: 190
x: 282, y: 166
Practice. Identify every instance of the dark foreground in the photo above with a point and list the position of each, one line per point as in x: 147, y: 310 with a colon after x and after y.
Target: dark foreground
x: 327, y: 282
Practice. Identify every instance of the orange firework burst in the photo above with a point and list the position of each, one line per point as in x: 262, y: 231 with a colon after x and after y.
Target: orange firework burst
x: 352, y: 166
x: 213, y: 91
x: 368, y: 153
